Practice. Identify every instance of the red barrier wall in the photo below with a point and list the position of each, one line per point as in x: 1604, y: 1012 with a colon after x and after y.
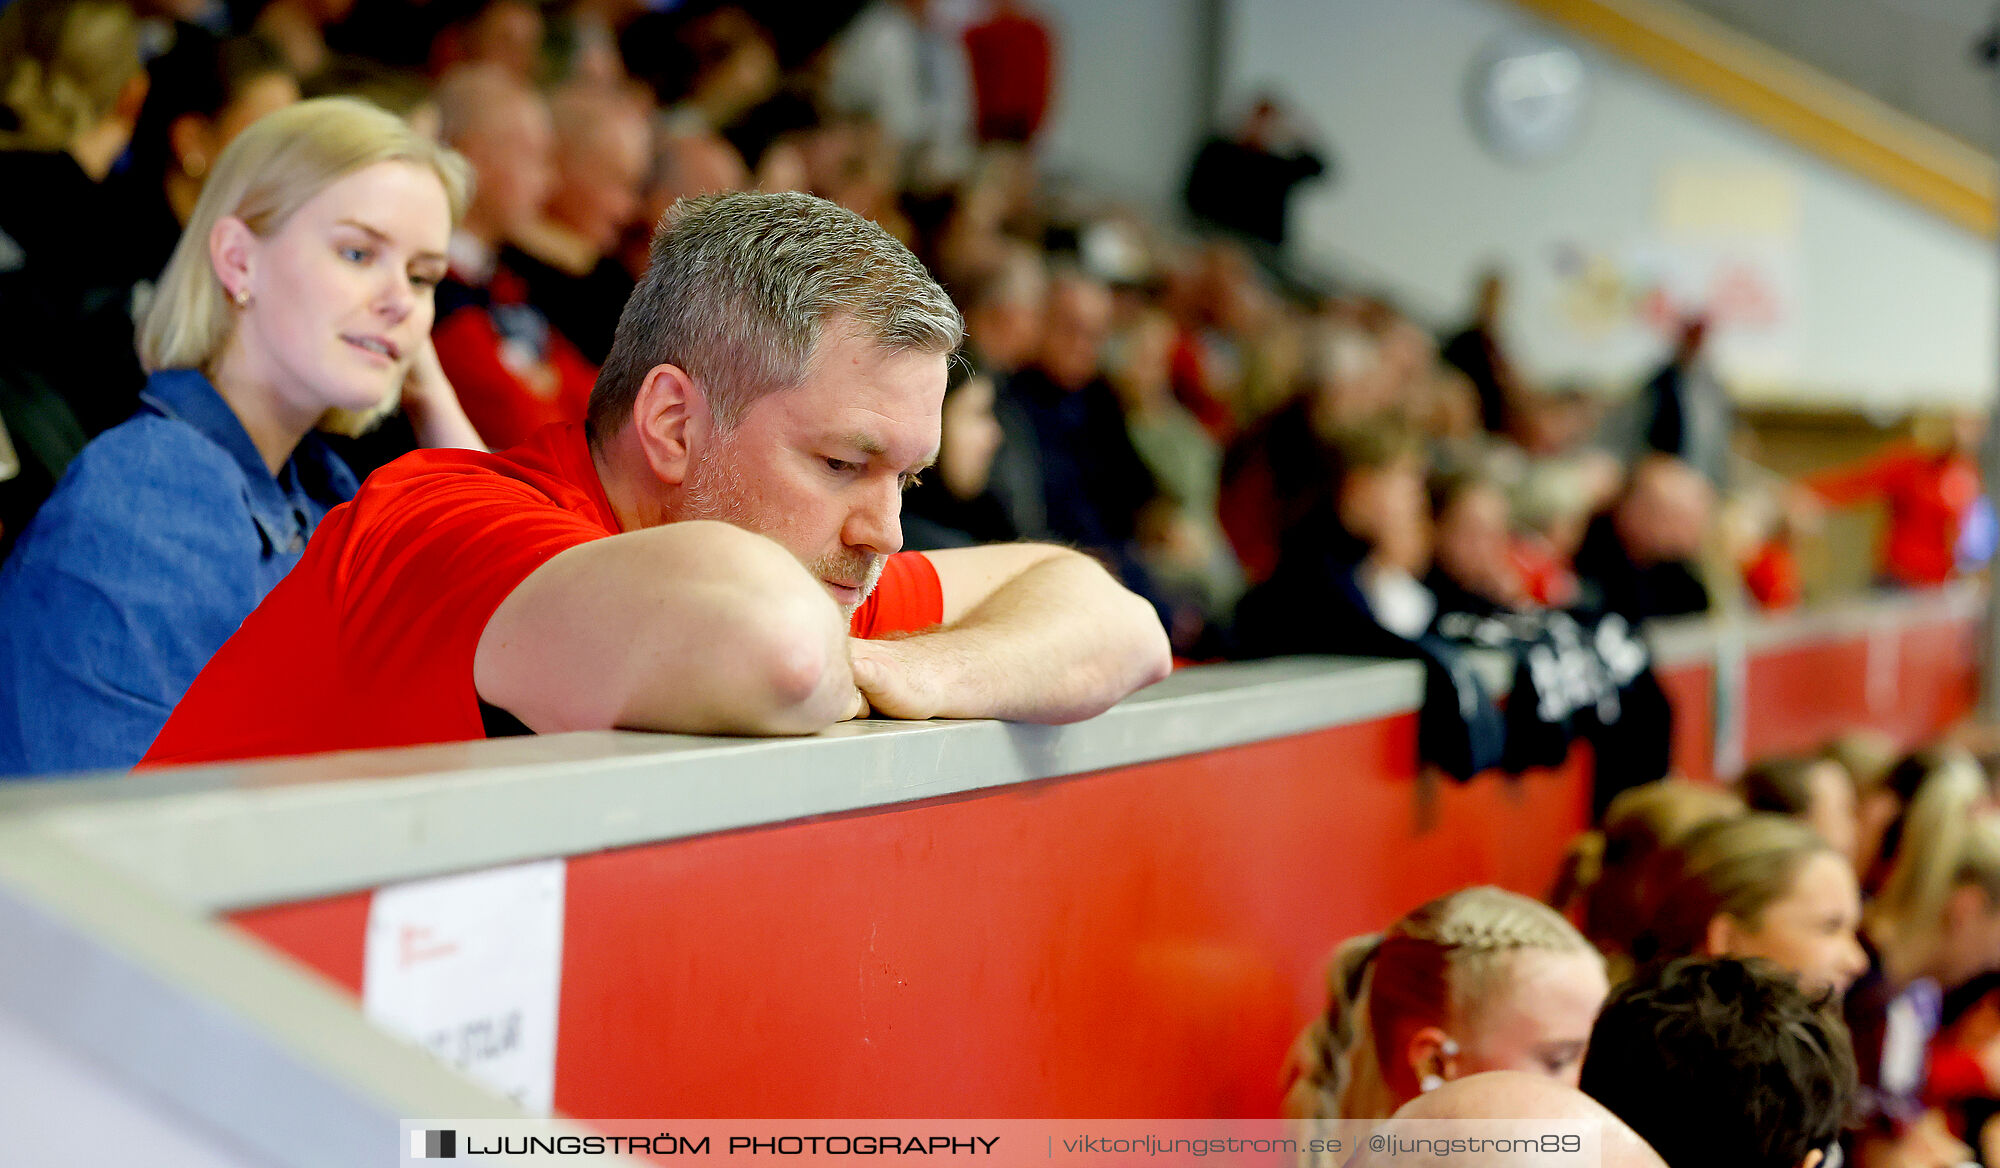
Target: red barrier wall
x: 1138, y: 942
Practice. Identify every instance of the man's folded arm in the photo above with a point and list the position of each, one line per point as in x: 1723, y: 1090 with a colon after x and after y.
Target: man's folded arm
x: 1031, y: 633
x: 695, y: 627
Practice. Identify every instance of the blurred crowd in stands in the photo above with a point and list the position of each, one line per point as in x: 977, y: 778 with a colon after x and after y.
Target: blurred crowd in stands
x: 1165, y: 391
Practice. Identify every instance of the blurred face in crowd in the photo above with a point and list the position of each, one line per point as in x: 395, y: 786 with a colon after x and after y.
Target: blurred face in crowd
x: 1970, y: 944
x: 782, y: 167
x: 1139, y: 367
x: 972, y: 437
x: 821, y: 467
x: 1968, y: 431
x: 1386, y: 507
x: 199, y: 141
x: 1079, y: 322
x: 340, y: 294
x: 509, y: 147
x: 1472, y: 545
x: 1537, y: 1018
x: 1408, y: 354
x: 597, y: 191
x: 508, y: 34
x: 1553, y: 423
x: 1005, y: 318
x: 1007, y: 331
x: 1451, y: 410
x: 1830, y: 809
x: 1354, y: 384
x: 697, y: 164
x: 738, y: 67
x: 1665, y: 513
x: 1810, y: 930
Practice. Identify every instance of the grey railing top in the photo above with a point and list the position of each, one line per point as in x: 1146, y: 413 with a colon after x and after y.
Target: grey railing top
x: 225, y: 837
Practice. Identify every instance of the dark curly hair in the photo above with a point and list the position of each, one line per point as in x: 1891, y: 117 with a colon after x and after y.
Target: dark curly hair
x: 1722, y: 1063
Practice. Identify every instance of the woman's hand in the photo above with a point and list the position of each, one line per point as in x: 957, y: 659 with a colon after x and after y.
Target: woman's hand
x: 432, y: 405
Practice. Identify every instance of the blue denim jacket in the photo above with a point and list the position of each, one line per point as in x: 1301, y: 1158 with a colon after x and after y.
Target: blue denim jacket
x: 165, y: 532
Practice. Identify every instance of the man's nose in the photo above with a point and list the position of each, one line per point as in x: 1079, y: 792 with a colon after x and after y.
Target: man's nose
x: 877, y: 524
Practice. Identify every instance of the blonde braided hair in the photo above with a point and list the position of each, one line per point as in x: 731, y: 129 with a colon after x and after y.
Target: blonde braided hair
x: 1437, y: 966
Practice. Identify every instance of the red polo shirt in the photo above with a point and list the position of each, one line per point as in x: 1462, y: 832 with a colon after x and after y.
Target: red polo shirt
x: 369, y: 641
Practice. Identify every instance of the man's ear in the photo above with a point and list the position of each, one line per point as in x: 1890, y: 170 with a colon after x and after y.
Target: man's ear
x: 670, y: 416
x: 232, y: 248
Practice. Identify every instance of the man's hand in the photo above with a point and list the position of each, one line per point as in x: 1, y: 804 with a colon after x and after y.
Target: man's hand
x: 858, y: 707
x: 1031, y: 633
x: 899, y: 679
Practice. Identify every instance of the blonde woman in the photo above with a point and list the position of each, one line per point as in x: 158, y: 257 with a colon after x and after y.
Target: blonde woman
x: 1934, y: 925
x: 1761, y: 885
x: 299, y: 298
x: 1479, y: 980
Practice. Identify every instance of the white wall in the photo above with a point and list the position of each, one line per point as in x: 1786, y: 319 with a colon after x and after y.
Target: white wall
x: 1126, y: 115
x: 1889, y: 305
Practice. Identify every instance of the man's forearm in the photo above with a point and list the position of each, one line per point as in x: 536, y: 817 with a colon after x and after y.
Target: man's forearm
x: 1060, y: 642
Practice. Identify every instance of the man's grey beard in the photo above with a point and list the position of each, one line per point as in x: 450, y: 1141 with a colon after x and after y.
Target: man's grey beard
x: 714, y: 490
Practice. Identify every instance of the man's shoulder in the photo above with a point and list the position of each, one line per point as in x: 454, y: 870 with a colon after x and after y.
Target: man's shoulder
x: 536, y: 468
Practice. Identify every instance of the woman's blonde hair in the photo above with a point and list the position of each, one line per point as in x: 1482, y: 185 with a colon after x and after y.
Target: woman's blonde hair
x: 265, y: 175
x: 1946, y: 843
x: 63, y: 64
x: 1438, y: 966
x: 1736, y: 866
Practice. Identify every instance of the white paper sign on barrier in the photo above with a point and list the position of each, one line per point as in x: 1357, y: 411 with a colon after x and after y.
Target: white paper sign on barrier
x: 470, y: 967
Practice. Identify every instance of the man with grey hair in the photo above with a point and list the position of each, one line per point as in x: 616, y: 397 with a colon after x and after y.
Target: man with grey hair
x: 716, y: 551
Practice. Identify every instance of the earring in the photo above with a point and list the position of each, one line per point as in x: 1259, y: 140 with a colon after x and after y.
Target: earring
x: 1434, y: 1080
x: 195, y: 165
x: 242, y: 298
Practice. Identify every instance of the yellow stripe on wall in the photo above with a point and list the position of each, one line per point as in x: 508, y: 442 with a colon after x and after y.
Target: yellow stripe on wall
x: 1794, y: 101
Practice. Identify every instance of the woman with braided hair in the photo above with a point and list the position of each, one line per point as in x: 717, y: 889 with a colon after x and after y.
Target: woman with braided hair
x: 1478, y: 980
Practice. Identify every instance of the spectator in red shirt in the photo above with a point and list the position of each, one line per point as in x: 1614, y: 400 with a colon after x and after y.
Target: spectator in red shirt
x: 781, y: 369
x: 1929, y: 485
x: 1012, y: 57
x: 513, y: 371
